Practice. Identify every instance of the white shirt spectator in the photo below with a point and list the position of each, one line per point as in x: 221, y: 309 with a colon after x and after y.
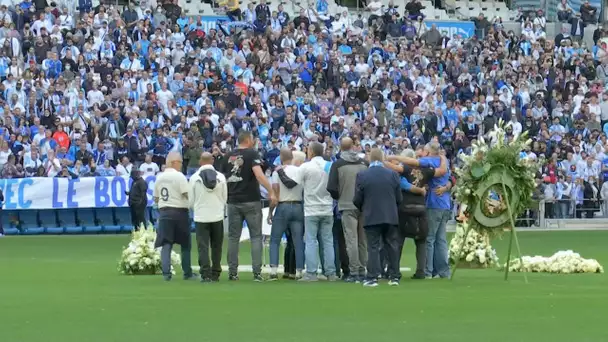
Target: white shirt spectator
x: 52, y: 166
x: 148, y: 169
x: 164, y: 96
x: 95, y: 96
x: 122, y: 170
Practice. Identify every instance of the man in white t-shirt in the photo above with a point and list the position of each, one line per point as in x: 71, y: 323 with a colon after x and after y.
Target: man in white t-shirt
x: 289, y: 214
x: 171, y: 195
x: 124, y: 168
x: 52, y: 166
x: 164, y: 95
x: 148, y: 167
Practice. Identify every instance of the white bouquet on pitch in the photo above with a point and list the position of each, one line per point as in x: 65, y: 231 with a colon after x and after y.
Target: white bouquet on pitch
x: 476, y: 250
x: 140, y: 257
x: 564, y: 262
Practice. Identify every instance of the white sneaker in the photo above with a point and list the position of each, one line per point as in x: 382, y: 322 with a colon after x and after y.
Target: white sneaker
x: 322, y: 277
x: 393, y: 282
x: 1, y: 235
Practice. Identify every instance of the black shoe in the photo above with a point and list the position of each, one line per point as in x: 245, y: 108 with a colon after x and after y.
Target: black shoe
x: 189, y: 277
x: 205, y: 280
x: 215, y: 279
x: 258, y: 278
x: 167, y: 277
x: 370, y: 283
x: 233, y: 277
x: 351, y: 280
x: 272, y: 277
x: 418, y: 277
x: 285, y: 276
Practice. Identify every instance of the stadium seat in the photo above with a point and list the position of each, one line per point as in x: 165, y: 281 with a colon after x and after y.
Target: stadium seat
x: 85, y: 218
x: 67, y: 220
x: 122, y: 217
x: 10, y: 222
x: 191, y: 9
x: 30, y: 225
x: 11, y: 231
x: 105, y: 218
x: 10, y: 219
x: 48, y: 220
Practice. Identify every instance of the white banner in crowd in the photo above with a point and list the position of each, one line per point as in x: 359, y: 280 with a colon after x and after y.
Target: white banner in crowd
x: 63, y: 193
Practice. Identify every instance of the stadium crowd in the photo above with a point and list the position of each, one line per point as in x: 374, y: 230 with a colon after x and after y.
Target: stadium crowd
x: 100, y: 91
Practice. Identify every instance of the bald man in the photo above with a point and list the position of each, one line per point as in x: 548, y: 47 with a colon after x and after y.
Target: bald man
x: 171, y: 195
x: 341, y: 186
x: 208, y: 195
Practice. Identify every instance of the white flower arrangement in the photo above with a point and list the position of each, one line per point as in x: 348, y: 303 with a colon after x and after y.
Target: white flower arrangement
x: 477, y: 251
x: 140, y: 256
x: 564, y: 262
x: 491, y: 154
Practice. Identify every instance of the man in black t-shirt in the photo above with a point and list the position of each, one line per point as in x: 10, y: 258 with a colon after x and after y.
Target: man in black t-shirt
x: 413, y: 221
x: 243, y: 170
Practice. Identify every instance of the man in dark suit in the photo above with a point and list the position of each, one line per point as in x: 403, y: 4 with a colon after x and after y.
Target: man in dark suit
x: 577, y: 25
x: 138, y: 200
x: 377, y: 196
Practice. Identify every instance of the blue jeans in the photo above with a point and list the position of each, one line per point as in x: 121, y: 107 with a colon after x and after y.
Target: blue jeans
x: 437, y: 244
x: 287, y: 216
x: 321, y: 226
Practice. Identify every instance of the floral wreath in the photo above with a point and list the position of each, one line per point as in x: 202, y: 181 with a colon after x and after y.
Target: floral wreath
x: 495, y: 182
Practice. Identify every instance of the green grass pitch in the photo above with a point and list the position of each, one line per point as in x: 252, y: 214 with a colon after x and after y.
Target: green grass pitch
x: 67, y: 289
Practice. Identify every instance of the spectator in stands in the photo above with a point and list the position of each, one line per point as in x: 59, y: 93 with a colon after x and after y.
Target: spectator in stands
x: 125, y: 167
x: 414, y: 9
x: 482, y: 25
x: 588, y: 13
x: 564, y: 11
x: 148, y: 168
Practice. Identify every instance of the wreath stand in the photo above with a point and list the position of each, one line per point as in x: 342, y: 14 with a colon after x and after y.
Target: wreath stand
x: 504, y: 180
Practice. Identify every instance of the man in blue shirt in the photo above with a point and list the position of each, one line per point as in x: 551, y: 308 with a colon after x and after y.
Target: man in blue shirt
x: 438, y: 203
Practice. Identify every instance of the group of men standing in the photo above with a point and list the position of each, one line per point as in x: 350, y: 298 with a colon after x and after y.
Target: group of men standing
x: 379, y: 201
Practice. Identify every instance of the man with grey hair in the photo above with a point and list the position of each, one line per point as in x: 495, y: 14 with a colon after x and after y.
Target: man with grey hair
x: 341, y: 186
x: 378, y: 196
x: 438, y: 203
x: 171, y: 194
x: 318, y: 212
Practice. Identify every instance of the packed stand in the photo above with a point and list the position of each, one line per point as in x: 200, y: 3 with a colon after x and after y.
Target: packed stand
x: 103, y: 91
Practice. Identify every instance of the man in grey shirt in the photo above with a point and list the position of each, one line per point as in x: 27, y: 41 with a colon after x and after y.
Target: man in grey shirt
x: 341, y: 186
